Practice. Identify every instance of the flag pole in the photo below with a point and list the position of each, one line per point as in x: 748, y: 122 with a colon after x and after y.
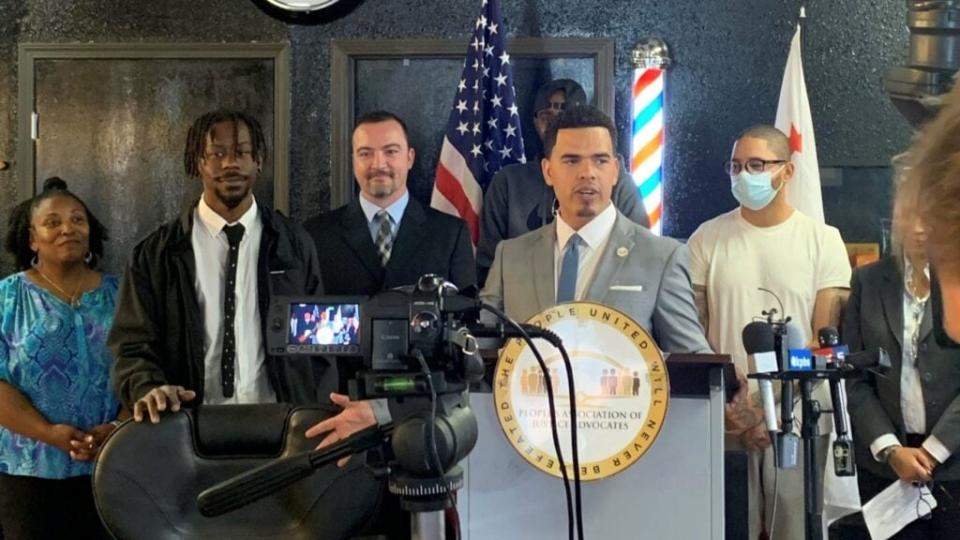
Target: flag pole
x: 802, y: 19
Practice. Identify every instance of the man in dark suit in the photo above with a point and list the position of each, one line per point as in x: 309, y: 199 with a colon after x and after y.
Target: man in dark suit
x: 385, y: 239
x: 381, y: 240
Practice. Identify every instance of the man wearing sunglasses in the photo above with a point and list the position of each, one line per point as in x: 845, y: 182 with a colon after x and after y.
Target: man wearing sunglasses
x: 766, y: 244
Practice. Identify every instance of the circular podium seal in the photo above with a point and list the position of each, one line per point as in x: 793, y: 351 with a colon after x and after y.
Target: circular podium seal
x: 622, y: 391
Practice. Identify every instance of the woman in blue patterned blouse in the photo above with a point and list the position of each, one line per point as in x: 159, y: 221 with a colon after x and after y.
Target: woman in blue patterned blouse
x: 56, y: 403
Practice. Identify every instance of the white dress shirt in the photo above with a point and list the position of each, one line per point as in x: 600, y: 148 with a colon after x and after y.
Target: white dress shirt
x: 210, y: 255
x: 594, y: 236
x: 395, y: 210
x: 912, y: 405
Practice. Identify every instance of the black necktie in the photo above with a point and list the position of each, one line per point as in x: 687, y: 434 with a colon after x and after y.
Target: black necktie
x: 229, y: 353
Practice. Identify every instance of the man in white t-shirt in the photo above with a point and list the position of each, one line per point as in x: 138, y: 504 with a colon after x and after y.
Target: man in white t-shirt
x: 765, y: 244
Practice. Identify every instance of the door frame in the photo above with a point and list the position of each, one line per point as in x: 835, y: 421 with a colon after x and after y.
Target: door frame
x: 29, y: 53
x: 345, y: 53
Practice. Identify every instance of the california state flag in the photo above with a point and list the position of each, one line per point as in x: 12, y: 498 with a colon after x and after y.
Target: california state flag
x: 793, y: 118
x: 840, y: 493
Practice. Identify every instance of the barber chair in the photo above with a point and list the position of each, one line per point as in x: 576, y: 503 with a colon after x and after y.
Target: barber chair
x: 147, y: 477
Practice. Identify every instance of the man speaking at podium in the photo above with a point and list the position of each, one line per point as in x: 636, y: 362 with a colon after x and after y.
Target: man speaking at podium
x: 593, y: 252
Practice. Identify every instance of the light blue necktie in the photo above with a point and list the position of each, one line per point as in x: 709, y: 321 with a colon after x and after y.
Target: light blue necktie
x: 567, y: 284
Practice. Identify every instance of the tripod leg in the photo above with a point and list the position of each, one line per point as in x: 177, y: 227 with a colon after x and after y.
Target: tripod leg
x: 427, y: 526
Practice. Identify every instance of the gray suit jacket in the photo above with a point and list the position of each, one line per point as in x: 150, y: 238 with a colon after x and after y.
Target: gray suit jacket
x: 640, y: 274
x: 874, y: 318
x: 518, y: 201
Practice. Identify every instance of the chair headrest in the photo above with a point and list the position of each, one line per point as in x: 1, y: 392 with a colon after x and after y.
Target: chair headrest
x: 243, y: 430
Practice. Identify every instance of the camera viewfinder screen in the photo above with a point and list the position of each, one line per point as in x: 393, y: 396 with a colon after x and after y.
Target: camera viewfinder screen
x: 324, y: 324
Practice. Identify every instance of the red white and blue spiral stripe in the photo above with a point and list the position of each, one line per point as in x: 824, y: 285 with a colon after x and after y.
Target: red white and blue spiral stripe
x: 646, y: 149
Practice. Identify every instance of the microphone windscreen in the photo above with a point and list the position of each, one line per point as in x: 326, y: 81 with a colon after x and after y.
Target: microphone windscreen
x: 757, y: 337
x: 828, y: 336
x: 796, y: 336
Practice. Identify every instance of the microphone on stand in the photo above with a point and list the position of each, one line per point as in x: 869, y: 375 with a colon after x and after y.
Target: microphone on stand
x: 791, y: 338
x: 759, y: 344
x: 843, y: 455
x: 828, y: 337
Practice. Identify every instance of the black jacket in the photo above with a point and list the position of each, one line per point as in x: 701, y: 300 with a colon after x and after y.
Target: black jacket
x: 157, y: 335
x: 428, y: 242
x: 874, y: 319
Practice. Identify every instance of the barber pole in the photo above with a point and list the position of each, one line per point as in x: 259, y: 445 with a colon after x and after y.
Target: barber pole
x: 650, y: 60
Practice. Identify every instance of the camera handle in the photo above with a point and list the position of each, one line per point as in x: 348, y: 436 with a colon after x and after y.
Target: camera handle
x: 267, y: 479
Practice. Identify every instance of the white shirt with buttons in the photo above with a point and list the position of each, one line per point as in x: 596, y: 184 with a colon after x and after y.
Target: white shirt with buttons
x: 594, y: 236
x: 210, y: 256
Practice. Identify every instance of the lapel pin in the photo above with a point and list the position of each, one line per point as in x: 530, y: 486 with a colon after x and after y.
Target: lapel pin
x: 622, y: 251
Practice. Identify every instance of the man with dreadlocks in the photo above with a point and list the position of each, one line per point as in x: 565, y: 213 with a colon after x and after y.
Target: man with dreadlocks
x: 188, y: 323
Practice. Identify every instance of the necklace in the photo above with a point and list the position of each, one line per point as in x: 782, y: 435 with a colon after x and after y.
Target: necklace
x: 72, y: 299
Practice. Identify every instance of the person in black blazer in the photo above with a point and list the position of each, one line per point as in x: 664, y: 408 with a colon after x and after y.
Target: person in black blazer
x: 906, y: 424
x: 381, y: 240
x: 421, y: 240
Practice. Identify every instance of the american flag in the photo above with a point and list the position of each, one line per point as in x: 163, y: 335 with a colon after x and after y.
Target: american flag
x: 483, y: 130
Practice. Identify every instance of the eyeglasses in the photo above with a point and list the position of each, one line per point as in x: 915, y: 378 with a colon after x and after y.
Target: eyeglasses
x: 753, y: 165
x: 221, y: 154
x: 924, y: 508
x: 926, y: 499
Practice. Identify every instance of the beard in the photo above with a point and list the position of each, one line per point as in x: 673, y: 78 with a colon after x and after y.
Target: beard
x: 233, y: 199
x: 232, y: 196
x: 385, y: 186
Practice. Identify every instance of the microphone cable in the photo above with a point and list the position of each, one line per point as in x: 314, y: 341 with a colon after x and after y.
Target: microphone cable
x: 574, y: 515
x: 432, y: 437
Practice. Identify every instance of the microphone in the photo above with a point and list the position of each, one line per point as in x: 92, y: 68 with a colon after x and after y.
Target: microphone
x: 828, y: 337
x: 789, y: 337
x: 830, y: 354
x: 843, y: 456
x: 759, y: 344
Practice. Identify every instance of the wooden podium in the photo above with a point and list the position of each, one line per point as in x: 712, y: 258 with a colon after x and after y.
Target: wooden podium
x: 675, y: 491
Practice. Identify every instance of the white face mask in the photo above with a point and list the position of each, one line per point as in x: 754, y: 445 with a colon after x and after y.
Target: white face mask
x: 754, y: 191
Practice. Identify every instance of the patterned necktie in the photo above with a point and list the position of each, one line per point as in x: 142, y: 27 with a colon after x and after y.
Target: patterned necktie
x: 567, y: 284
x: 229, y: 352
x: 384, y: 236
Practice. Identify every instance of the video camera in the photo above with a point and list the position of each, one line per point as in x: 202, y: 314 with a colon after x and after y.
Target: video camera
x: 389, y: 333
x: 415, y: 349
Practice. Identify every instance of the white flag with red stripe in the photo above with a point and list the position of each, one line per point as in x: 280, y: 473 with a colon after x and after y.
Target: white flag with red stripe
x: 793, y: 118
x: 483, y: 129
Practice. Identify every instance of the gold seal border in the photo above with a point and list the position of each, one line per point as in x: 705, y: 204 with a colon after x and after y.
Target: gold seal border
x: 656, y: 412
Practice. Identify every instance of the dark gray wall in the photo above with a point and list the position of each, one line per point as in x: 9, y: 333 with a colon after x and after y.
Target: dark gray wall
x: 729, y: 57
